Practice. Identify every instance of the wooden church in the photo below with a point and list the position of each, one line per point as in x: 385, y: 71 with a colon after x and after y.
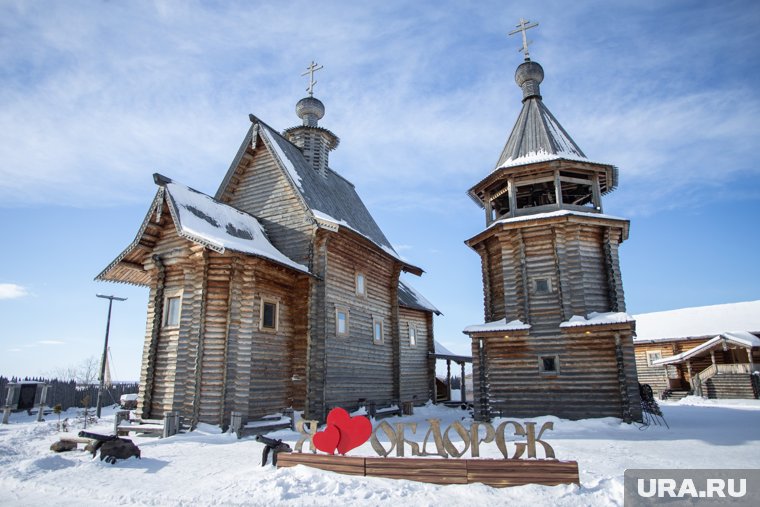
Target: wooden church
x: 280, y: 291
x: 556, y: 338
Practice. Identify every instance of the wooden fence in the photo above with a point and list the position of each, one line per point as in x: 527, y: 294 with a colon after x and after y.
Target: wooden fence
x: 68, y: 394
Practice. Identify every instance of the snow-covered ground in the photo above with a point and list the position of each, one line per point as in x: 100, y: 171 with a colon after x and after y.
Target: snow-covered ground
x: 206, y: 467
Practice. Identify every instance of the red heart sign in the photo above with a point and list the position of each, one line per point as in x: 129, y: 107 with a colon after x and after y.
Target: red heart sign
x: 327, y: 440
x: 354, y: 431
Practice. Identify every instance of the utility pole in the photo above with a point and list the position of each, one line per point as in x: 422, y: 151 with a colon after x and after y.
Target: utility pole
x: 101, y: 378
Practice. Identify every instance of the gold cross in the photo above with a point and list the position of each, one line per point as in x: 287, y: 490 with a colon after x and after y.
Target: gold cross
x: 523, y: 27
x: 310, y: 70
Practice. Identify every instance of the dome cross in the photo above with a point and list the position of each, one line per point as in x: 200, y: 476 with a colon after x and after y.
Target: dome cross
x: 310, y: 70
x: 523, y: 27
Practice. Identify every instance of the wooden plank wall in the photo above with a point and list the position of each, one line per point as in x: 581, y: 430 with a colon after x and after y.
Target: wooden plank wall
x: 415, y: 381
x: 260, y: 188
x: 356, y: 368
x: 497, y: 473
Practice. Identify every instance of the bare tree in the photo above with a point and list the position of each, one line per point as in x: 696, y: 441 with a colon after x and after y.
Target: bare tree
x: 84, y: 374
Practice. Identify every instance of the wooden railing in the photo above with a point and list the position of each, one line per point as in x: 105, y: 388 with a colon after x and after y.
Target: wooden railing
x: 717, y: 369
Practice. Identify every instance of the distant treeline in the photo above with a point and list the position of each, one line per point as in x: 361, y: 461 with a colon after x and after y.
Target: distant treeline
x: 68, y: 394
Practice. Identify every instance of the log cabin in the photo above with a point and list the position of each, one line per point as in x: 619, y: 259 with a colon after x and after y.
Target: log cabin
x: 710, y: 351
x: 555, y: 338
x: 279, y: 291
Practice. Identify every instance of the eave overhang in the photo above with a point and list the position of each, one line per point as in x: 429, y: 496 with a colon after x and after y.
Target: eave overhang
x: 608, y: 174
x: 554, y: 218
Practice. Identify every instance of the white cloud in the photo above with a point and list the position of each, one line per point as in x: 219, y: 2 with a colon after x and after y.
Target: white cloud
x: 12, y: 291
x: 51, y: 342
x: 97, y: 98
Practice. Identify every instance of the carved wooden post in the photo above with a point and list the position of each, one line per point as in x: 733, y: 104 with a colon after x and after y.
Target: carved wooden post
x: 463, y: 397
x: 691, y: 378
x: 448, y: 377
x: 712, y: 357
x: 751, y: 364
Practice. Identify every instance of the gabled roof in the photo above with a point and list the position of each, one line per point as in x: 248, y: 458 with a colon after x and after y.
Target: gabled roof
x: 739, y: 339
x: 203, y: 220
x: 698, y: 322
x: 537, y: 137
x: 329, y: 198
x: 408, y: 297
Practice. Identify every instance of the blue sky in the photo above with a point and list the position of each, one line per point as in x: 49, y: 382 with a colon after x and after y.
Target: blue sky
x: 97, y: 96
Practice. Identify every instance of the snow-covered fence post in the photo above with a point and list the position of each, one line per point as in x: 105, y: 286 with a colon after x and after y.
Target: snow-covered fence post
x: 168, y: 423
x: 236, y: 422
x: 43, y: 401
x: 9, y: 402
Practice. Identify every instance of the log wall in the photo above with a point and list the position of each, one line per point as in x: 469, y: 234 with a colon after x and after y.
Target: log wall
x: 415, y: 375
x: 587, y: 385
x: 579, y: 258
x: 355, y: 366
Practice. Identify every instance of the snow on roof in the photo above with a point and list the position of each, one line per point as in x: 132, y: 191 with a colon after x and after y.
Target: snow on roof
x: 538, y: 132
x: 698, y: 321
x: 741, y: 338
x: 408, y: 297
x: 498, y: 325
x: 440, y: 349
x: 558, y: 213
x: 597, y: 319
x: 202, y: 219
x: 540, y: 156
x: 443, y: 351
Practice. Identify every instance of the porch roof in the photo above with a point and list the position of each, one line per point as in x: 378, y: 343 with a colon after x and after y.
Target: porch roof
x: 740, y: 339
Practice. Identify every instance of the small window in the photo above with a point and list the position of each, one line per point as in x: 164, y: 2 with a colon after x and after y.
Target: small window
x: 377, y: 330
x: 542, y: 286
x: 360, y: 288
x: 172, y: 311
x: 548, y: 364
x: 653, y: 355
x: 269, y: 315
x: 341, y: 321
x: 412, y: 335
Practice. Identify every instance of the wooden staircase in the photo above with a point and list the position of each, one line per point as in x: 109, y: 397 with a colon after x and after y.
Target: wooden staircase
x: 729, y: 386
x: 675, y: 394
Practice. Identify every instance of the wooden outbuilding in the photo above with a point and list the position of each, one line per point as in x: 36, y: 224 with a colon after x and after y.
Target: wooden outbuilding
x: 710, y: 351
x: 280, y: 291
x: 556, y: 338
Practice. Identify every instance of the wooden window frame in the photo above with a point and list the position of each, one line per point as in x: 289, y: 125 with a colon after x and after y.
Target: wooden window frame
x: 375, y: 322
x: 338, y: 310
x: 412, y: 327
x: 276, y: 303
x: 649, y: 357
x: 169, y: 296
x: 542, y: 371
x: 363, y: 293
x: 549, y: 288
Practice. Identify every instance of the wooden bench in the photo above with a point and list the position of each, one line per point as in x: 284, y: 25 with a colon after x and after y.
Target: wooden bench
x: 272, y: 422
x: 170, y: 425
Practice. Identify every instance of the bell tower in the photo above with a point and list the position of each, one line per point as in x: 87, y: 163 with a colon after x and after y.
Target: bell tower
x: 556, y: 338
